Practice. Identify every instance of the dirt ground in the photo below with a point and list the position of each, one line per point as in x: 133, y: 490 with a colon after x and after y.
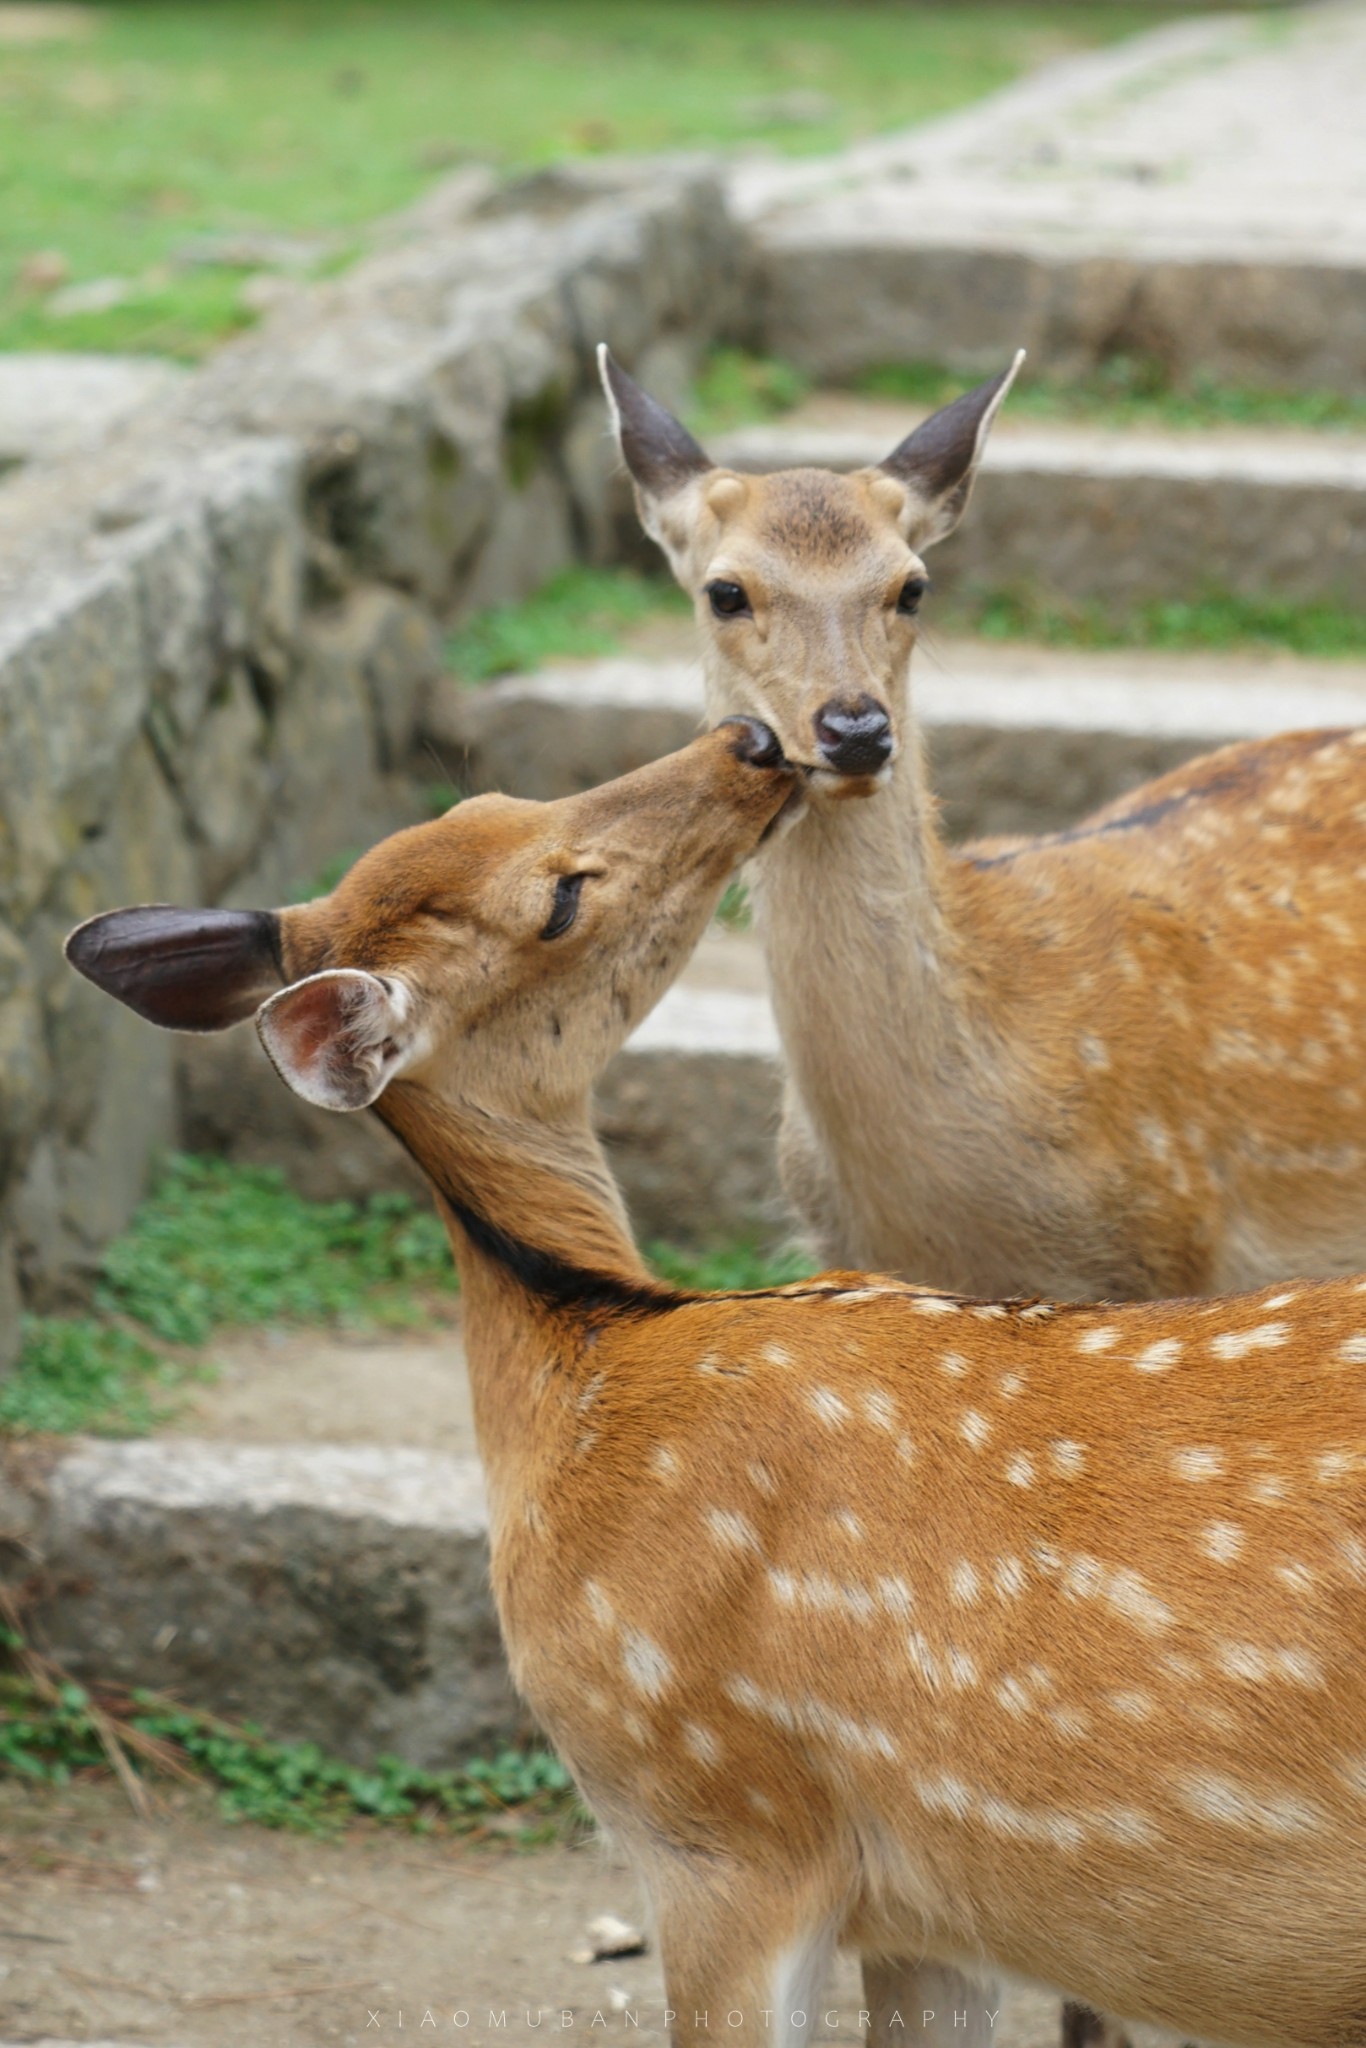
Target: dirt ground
x: 191, y: 1932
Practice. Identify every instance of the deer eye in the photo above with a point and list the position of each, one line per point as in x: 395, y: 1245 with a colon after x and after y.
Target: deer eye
x: 910, y: 594
x: 728, y: 600
x: 565, y: 907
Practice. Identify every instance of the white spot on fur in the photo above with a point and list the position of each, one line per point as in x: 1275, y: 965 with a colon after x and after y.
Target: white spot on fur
x: 1133, y: 1706
x: 848, y: 1521
x: 954, y: 1364
x: 1093, y: 1051
x: 731, y: 1530
x: 1332, y: 1466
x: 777, y: 1355
x: 1202, y: 1462
x: 934, y: 1305
x: 1020, y: 1469
x: 962, y: 1669
x: 1243, y: 1661
x: 974, y: 1427
x: 905, y: 1450
x: 1238, y: 1343
x: 1352, y: 1350
x: 923, y: 1659
x: 880, y: 1409
x: 599, y: 1606
x: 895, y: 1595
x: 1158, y: 1356
x: 1280, y: 1300
x: 1012, y: 1383
x: 965, y: 1584
x: 1297, y: 1577
x: 1013, y: 1696
x: 1069, y: 1722
x: 663, y: 1463
x: 1085, y: 1577
x: 1068, y: 1458
x: 1300, y: 1667
x: 1212, y: 1797
x: 1128, y: 1595
x: 1103, y: 1338
x: 762, y: 1479
x: 1008, y: 1576
x: 701, y: 1743
x: 828, y: 1405
x: 1221, y: 1542
x: 647, y: 1667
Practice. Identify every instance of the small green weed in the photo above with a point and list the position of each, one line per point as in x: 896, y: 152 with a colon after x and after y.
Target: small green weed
x: 216, y: 1244
x: 77, y: 1373
x: 735, y: 387
x: 51, y: 1729
x: 578, y: 612
x: 735, y: 912
x: 1210, y: 624
x: 724, y: 1268
x: 1126, y: 391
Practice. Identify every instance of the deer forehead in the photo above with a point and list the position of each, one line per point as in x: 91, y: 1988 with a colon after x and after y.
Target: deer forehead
x: 797, y: 523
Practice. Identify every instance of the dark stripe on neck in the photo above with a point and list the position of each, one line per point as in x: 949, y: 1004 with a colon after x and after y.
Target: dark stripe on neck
x: 557, y: 1282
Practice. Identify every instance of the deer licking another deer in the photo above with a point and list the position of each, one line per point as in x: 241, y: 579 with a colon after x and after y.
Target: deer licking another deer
x: 997, y: 1632
x: 1121, y: 1061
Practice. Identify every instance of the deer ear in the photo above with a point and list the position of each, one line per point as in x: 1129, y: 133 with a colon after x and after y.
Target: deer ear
x: 187, y: 970
x: 340, y: 1037
x: 661, y: 454
x: 938, y: 461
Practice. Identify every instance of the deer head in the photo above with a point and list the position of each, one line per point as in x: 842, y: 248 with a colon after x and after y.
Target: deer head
x: 499, y: 955
x: 807, y: 584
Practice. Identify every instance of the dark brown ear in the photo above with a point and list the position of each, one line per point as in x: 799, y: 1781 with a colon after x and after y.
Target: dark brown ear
x: 938, y: 461
x: 187, y: 970
x: 660, y: 453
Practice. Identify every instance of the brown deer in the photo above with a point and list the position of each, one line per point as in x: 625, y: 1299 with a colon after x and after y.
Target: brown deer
x: 1125, y: 1060
x: 989, y: 1631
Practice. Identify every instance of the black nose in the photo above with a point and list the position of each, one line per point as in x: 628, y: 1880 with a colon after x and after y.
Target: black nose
x: 854, y: 737
x: 752, y: 741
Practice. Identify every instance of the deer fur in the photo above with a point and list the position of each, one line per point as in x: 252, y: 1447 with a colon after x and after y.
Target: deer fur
x: 994, y: 1632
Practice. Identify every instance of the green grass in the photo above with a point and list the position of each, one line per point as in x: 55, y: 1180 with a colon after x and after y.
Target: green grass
x: 175, y: 121
x: 1211, y: 624
x: 214, y: 1246
x: 735, y: 388
x: 725, y: 1267
x: 52, y: 1731
x: 1123, y: 392
x: 579, y: 612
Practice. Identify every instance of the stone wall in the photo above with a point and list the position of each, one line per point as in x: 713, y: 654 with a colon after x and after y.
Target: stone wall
x: 219, y: 624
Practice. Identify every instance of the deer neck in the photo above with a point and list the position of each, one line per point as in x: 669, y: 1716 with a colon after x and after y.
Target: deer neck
x: 856, y: 907
x: 541, y: 1242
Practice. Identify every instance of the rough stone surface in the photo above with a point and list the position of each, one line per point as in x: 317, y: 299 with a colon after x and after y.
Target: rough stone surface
x: 52, y: 403
x: 1196, y: 196
x: 334, y: 1592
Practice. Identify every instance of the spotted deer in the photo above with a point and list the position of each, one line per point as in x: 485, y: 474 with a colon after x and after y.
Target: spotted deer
x: 989, y: 1631
x: 1124, y: 1060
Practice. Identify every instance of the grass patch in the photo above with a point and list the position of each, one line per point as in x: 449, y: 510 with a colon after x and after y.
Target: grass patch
x: 580, y: 612
x: 52, y: 1731
x: 734, y: 388
x: 174, y: 122
x: 216, y: 1245
x: 1124, y: 392
x: 80, y: 1373
x: 724, y: 1268
x: 735, y: 912
x: 1214, y: 624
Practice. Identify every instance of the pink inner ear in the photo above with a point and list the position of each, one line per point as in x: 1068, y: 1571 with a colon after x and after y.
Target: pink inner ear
x: 312, y: 1015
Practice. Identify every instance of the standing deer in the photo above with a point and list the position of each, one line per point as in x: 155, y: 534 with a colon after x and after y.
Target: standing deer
x: 1124, y: 1060
x: 991, y: 1631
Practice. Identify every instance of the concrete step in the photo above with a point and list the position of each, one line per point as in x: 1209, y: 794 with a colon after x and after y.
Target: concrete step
x: 331, y: 1592
x: 1123, y: 518
x: 1195, y: 196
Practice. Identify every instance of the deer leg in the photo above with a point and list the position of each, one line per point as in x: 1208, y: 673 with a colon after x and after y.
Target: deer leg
x: 931, y: 2003
x: 1083, y: 2028
x: 742, y: 1959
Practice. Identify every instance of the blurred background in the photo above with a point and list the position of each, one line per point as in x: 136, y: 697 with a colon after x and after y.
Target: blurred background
x: 309, y: 526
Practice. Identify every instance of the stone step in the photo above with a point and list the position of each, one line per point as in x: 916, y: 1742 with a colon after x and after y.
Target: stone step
x: 330, y: 1592
x: 1123, y: 518
x: 1193, y: 196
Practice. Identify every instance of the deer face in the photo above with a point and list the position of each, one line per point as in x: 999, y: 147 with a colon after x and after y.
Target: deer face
x: 807, y: 584
x: 500, y: 954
